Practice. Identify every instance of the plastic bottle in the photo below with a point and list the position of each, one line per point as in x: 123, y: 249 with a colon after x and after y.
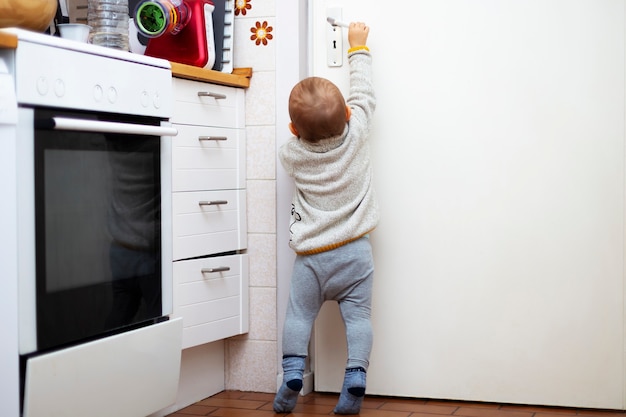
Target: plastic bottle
x: 109, y: 20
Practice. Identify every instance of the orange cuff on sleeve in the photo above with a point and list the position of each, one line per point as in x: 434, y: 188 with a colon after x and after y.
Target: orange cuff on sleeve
x: 358, y: 48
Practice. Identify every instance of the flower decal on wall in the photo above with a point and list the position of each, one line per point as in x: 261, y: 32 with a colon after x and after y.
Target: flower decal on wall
x: 261, y: 33
x: 242, y: 7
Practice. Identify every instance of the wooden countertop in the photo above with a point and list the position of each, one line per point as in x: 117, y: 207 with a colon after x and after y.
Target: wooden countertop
x: 240, y: 77
x: 8, y: 40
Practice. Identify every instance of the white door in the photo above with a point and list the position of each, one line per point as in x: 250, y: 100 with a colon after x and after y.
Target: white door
x: 499, y: 162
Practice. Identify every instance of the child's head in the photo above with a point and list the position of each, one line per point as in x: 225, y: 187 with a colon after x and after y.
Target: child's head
x: 317, y: 109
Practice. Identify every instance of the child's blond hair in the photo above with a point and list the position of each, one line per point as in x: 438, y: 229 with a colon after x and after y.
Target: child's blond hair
x: 317, y: 109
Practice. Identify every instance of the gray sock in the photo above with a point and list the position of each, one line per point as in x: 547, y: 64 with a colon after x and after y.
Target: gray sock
x: 287, y: 395
x: 352, y: 392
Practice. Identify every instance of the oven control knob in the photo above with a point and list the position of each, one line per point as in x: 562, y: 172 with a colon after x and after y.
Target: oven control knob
x: 112, y: 95
x: 42, y: 85
x: 59, y: 88
x: 157, y: 100
x: 145, y: 98
x: 97, y: 92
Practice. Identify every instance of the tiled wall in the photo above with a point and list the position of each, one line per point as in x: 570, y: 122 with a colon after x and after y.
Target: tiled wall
x: 251, y: 359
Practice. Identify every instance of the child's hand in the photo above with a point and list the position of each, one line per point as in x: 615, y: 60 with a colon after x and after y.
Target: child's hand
x: 357, y: 34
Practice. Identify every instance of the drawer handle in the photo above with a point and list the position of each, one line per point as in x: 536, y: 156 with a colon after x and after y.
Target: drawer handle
x: 212, y: 203
x: 216, y: 96
x: 218, y: 269
x: 212, y: 137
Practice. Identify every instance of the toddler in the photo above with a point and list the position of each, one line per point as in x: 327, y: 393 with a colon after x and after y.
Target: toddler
x: 332, y: 212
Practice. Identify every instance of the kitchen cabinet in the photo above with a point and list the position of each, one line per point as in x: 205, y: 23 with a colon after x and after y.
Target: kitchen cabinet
x: 209, y: 211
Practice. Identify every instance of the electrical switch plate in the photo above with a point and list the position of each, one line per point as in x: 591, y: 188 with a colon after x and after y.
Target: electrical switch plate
x: 334, y: 39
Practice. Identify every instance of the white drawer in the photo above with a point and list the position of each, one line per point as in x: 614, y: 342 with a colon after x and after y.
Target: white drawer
x: 208, y: 222
x: 204, y: 104
x: 211, y: 295
x: 208, y: 158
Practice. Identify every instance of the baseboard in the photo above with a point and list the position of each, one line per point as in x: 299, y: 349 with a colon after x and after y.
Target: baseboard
x: 307, y: 383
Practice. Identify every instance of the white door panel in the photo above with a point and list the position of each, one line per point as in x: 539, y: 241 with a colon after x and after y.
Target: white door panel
x: 498, y: 148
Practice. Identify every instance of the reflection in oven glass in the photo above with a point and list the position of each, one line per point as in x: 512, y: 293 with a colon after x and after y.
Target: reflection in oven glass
x: 98, y: 234
x: 132, y: 217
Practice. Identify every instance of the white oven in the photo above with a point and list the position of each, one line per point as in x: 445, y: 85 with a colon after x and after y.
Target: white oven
x: 93, y: 216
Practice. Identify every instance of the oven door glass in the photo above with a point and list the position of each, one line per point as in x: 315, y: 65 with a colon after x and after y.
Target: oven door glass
x: 98, y: 229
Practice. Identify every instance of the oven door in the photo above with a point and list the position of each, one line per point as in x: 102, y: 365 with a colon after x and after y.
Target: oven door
x: 100, y: 265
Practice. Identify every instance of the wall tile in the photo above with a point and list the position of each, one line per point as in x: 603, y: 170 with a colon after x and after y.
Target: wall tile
x: 251, y: 359
x: 261, y: 152
x: 252, y: 366
x: 262, y: 314
x: 250, y: 50
x: 262, y: 259
x: 255, y: 8
x: 261, y: 99
x: 261, y: 202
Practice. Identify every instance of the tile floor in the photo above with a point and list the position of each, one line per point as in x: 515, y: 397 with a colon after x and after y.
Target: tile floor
x: 250, y: 404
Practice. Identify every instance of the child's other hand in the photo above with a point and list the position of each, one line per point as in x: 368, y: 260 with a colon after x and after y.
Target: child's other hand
x: 357, y: 34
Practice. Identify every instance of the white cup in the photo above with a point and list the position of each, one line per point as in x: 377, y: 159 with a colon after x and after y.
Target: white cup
x: 74, y: 31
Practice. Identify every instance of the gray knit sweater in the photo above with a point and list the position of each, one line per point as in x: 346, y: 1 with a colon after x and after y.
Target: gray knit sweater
x: 334, y: 201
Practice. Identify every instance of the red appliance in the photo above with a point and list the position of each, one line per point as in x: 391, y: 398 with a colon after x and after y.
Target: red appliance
x: 194, y: 44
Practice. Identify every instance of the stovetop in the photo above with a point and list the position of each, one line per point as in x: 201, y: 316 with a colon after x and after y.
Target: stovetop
x: 57, y: 42
x: 54, y: 72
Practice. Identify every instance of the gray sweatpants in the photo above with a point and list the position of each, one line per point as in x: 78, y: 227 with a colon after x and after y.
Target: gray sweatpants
x: 345, y: 275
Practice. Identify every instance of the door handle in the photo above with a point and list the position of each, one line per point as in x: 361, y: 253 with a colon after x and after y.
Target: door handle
x: 80, y: 125
x: 218, y: 269
x: 212, y: 138
x: 216, y: 96
x: 212, y: 203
